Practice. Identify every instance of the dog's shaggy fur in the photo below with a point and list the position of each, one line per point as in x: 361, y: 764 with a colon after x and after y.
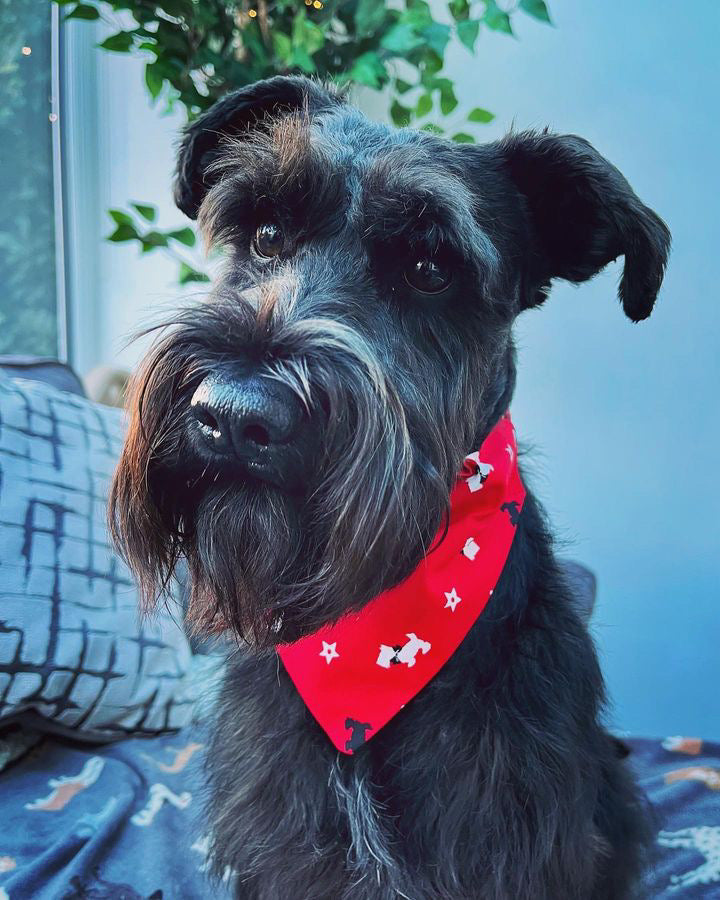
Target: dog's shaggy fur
x: 498, y: 780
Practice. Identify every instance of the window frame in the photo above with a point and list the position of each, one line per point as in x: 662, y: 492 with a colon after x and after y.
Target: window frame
x: 61, y: 293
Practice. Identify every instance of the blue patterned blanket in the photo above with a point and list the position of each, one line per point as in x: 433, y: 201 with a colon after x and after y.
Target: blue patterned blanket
x: 121, y: 822
x: 125, y: 821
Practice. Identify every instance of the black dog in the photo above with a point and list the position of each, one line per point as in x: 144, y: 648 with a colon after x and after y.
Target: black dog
x: 295, y: 439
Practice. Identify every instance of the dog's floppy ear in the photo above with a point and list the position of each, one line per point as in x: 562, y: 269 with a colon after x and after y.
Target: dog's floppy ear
x: 231, y: 115
x: 583, y: 215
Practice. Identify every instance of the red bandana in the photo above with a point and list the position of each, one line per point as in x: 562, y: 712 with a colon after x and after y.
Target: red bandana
x: 356, y: 675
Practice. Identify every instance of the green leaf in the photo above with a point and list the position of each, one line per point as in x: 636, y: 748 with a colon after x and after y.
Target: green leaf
x: 184, y: 235
x: 402, y: 87
x: 536, y: 8
x: 123, y: 232
x: 432, y: 64
x: 83, y: 11
x: 369, y: 16
x: 151, y: 48
x: 399, y: 114
x: 496, y: 19
x: 314, y: 38
x: 299, y: 21
x: 368, y: 69
x: 153, y: 80
x: 467, y: 32
x: 121, y: 218
x: 437, y: 36
x: 417, y: 16
x: 483, y: 116
x: 302, y: 59
x: 433, y: 129
x: 424, y: 105
x: 448, y: 100
x: 459, y: 9
x: 149, y: 213
x: 153, y: 239
x: 462, y: 137
x: 401, y: 39
x: 439, y: 83
x: 306, y: 35
x: 188, y: 274
x: 282, y: 46
x: 121, y: 42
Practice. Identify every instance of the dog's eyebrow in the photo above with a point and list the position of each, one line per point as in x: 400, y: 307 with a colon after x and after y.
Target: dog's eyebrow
x: 425, y: 202
x: 276, y: 165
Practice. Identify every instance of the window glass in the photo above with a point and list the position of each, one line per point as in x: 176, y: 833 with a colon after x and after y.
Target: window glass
x: 28, y: 317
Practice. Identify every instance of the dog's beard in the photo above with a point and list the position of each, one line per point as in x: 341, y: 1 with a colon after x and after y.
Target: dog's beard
x: 268, y: 565
x: 244, y: 546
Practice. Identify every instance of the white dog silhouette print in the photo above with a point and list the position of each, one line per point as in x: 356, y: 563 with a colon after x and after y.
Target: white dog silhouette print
x: 482, y: 470
x: 704, y: 839
x: 470, y: 549
x: 406, y: 654
x: 158, y: 795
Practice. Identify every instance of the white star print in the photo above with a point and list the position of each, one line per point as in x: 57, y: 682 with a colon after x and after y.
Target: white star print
x: 328, y: 652
x: 510, y: 452
x: 452, y: 599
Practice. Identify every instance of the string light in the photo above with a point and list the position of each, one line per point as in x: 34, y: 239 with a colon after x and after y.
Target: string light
x: 53, y: 118
x: 26, y: 51
x: 317, y: 4
x: 252, y: 13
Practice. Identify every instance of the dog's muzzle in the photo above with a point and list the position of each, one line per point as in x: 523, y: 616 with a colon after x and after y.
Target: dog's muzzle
x: 251, y: 423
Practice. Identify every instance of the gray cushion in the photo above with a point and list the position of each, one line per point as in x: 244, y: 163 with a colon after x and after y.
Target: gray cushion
x: 583, y: 586
x: 73, y: 652
x: 39, y: 368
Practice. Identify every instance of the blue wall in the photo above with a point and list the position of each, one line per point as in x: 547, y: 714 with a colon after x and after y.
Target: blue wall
x: 625, y: 418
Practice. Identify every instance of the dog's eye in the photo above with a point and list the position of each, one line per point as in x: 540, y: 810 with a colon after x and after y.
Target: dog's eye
x: 427, y: 276
x: 269, y: 240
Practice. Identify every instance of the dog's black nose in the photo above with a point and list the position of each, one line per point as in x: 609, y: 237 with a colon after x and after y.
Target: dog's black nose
x: 250, y: 418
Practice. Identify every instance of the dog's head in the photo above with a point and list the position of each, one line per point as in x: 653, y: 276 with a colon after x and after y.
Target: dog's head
x: 296, y: 436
